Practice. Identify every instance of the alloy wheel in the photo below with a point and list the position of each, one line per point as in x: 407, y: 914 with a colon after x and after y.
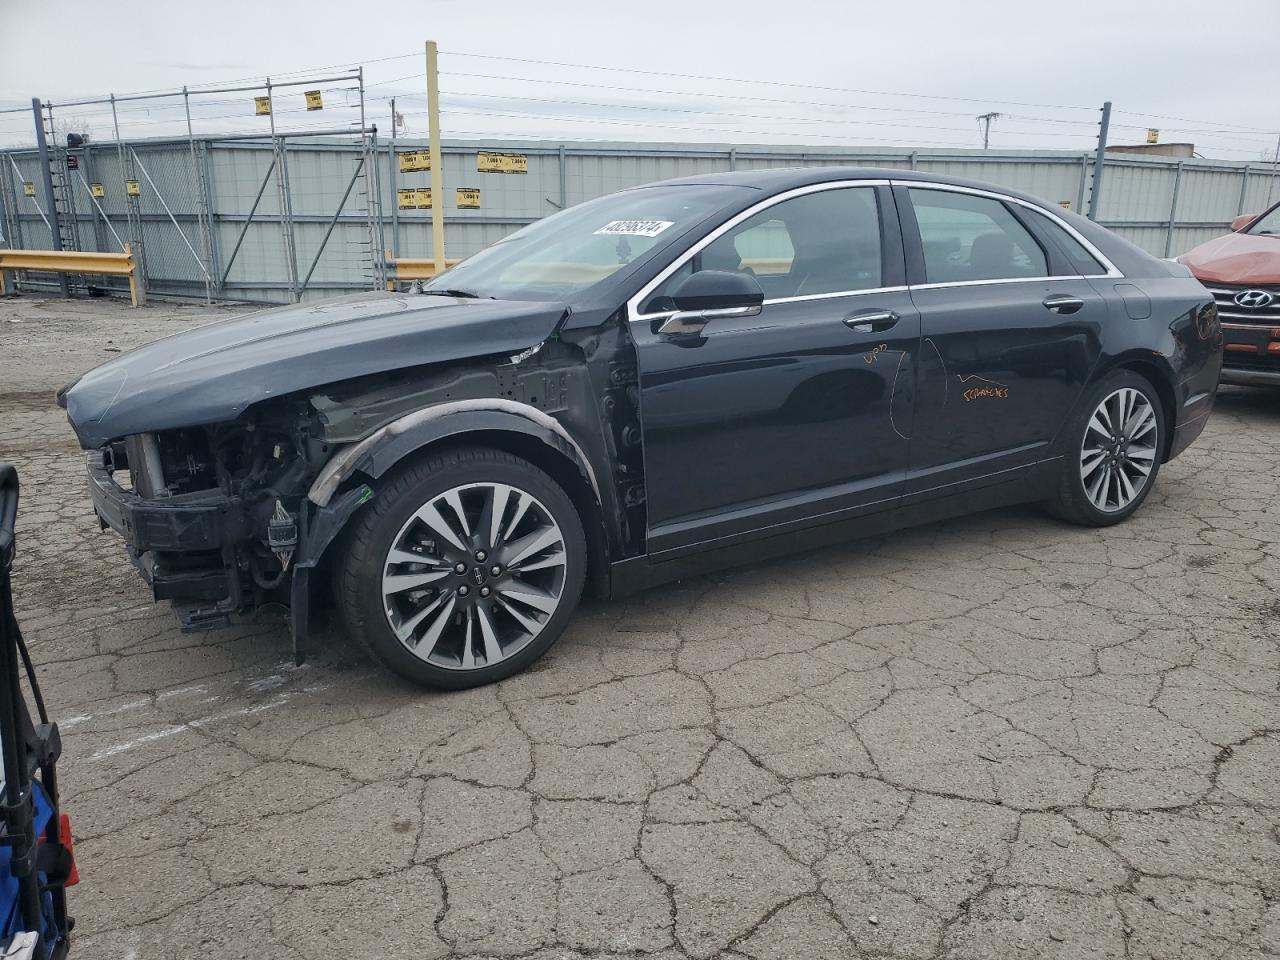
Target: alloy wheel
x: 474, y: 575
x: 1119, y: 449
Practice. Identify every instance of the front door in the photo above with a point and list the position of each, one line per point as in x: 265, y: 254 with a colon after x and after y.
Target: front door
x: 768, y: 422
x: 1010, y: 335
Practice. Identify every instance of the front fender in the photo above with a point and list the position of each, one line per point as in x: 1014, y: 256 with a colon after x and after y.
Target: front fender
x: 385, y: 447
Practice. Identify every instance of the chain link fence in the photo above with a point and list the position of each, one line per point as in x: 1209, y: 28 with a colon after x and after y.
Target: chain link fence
x: 259, y: 214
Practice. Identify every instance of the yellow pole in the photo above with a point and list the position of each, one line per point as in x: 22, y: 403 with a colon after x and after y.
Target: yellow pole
x: 437, y: 174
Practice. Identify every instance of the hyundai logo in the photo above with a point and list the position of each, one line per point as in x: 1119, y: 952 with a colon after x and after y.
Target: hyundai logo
x: 1254, y: 299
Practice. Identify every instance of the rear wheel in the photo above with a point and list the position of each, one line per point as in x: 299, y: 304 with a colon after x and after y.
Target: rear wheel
x: 466, y: 570
x: 1114, y: 446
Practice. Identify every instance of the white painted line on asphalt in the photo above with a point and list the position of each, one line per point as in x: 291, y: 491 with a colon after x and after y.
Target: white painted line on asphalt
x: 180, y: 691
x: 138, y: 741
x: 196, y: 724
x: 123, y: 708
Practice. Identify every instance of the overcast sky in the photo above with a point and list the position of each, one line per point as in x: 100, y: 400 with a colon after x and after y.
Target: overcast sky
x: 751, y: 71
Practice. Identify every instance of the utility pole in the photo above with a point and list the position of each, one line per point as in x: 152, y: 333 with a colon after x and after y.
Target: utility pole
x: 395, y: 186
x: 1275, y: 167
x: 1099, y: 161
x: 437, y: 175
x: 985, y: 120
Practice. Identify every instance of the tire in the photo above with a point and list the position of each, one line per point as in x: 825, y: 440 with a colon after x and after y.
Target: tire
x: 1102, y: 480
x: 449, y: 621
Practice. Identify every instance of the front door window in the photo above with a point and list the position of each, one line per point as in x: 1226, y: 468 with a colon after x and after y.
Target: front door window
x: 818, y: 243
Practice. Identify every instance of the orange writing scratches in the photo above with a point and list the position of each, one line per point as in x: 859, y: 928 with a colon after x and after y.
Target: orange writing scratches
x: 979, y: 393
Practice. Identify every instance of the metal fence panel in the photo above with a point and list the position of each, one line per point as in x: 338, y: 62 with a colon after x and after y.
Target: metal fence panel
x: 212, y: 217
x: 1262, y: 190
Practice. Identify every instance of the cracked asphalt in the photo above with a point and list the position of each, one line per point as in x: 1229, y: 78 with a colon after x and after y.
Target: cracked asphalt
x: 994, y: 737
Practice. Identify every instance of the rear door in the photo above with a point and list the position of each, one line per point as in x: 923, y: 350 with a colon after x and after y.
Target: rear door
x: 766, y: 423
x: 1010, y: 329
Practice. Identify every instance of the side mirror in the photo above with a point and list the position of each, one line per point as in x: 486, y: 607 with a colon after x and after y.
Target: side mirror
x: 1239, y: 223
x: 711, y: 294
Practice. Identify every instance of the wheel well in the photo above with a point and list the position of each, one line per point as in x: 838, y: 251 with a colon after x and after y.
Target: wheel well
x: 1157, y: 378
x: 562, y: 470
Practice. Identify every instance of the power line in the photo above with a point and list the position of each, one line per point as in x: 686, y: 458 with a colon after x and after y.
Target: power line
x: 886, y: 93
x: 772, y: 83
x: 696, y: 129
x: 904, y: 122
x: 1158, y: 116
x: 898, y: 121
x: 728, y: 96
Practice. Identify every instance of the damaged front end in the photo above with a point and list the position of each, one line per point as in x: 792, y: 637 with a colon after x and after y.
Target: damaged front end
x: 209, y: 515
x: 225, y: 518
x: 216, y: 519
x: 203, y: 446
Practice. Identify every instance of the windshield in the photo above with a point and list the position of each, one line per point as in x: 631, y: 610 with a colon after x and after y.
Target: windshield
x: 1269, y: 225
x: 571, y: 250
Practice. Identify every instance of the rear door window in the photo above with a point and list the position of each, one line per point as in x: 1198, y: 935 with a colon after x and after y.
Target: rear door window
x: 968, y: 237
x: 1082, y: 261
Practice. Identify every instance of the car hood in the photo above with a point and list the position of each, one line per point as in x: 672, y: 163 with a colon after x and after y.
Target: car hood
x: 1237, y: 258
x: 212, y: 374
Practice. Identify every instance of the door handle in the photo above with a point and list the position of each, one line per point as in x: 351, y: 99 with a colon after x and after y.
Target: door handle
x: 871, y: 321
x: 1063, y: 304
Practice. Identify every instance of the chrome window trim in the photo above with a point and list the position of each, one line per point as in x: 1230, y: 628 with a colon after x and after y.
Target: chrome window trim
x: 976, y: 283
x: 838, y: 293
x: 633, y: 305
x: 1112, y: 271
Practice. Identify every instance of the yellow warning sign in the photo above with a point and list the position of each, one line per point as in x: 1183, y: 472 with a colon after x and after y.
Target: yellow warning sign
x: 414, y: 198
x: 97, y: 191
x: 314, y: 100
x: 133, y: 188
x: 502, y: 162
x: 412, y: 160
x: 468, y: 198
x: 1065, y: 204
x: 1153, y: 135
x: 28, y: 188
x: 262, y: 106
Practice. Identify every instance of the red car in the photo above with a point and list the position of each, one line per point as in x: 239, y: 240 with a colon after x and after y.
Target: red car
x: 1242, y: 271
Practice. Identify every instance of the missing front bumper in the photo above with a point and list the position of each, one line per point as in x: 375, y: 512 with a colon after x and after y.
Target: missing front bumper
x: 183, y: 547
x: 207, y: 520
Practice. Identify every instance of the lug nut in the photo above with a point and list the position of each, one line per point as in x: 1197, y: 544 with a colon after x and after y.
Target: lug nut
x: 463, y: 590
x: 459, y: 568
x: 484, y: 591
x: 495, y: 570
x: 480, y: 555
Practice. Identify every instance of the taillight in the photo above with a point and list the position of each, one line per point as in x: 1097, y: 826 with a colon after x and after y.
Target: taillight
x: 64, y: 834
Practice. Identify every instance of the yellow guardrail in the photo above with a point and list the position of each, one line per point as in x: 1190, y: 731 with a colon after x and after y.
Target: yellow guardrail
x: 411, y: 268
x: 74, y: 261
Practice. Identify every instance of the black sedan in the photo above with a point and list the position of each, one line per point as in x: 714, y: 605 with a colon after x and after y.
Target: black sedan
x: 682, y: 375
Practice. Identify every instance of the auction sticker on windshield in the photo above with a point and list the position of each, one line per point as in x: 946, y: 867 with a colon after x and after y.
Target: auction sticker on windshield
x: 635, y: 228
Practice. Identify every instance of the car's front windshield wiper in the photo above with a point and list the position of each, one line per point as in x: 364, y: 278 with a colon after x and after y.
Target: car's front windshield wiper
x: 465, y: 294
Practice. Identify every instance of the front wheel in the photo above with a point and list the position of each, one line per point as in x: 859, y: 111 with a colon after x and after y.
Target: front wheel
x: 1113, y: 451
x: 465, y: 570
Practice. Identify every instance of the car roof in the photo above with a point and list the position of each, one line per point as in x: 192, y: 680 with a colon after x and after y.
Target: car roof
x: 779, y: 179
